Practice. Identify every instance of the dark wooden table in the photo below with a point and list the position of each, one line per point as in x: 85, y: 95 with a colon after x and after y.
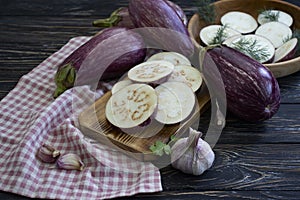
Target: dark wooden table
x: 253, y: 161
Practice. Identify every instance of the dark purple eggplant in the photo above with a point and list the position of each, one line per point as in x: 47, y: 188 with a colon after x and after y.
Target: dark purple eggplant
x: 107, y: 55
x: 161, y: 25
x: 121, y: 18
x: 252, y: 92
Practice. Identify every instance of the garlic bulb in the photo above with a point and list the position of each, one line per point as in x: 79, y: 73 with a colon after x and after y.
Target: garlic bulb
x: 192, y: 155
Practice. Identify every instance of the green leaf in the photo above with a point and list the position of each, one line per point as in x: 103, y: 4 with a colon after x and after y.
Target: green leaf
x: 173, y: 138
x: 167, y: 149
x: 158, y: 148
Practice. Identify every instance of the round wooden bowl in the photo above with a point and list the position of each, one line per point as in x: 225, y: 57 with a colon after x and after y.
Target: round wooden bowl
x: 252, y: 7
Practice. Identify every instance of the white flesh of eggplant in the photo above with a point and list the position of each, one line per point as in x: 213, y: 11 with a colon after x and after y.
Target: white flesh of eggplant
x: 173, y: 57
x: 131, y: 106
x: 188, y: 75
x: 276, y: 32
x: 285, y: 50
x: 151, y: 71
x: 175, y: 102
x: 208, y: 33
x: 239, y: 21
x: 229, y: 40
x: 120, y: 85
x: 283, y: 17
x: 262, y: 44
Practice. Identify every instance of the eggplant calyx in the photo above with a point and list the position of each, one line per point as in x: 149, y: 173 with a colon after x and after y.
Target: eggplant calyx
x: 110, y: 21
x: 64, y: 79
x: 202, y: 52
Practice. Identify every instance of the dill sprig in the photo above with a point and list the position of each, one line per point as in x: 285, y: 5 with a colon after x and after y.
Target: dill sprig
x: 206, y: 10
x: 270, y: 15
x: 252, y: 49
x: 220, y: 36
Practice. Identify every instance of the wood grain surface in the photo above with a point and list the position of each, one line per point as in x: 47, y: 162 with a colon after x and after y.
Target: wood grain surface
x: 253, y: 161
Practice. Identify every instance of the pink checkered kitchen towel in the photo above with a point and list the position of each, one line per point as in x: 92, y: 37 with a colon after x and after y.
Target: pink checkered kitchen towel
x: 29, y: 116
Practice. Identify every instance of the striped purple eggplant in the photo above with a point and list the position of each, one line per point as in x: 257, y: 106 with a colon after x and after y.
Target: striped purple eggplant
x: 108, y: 54
x: 161, y: 25
x: 252, y: 92
x: 179, y: 11
x: 121, y: 17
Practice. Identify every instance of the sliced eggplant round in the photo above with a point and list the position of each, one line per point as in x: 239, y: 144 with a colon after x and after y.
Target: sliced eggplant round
x: 120, y: 85
x: 275, y: 15
x: 131, y: 106
x: 216, y: 34
x: 276, y: 32
x: 286, y: 51
x: 239, y: 21
x: 173, y: 57
x: 229, y: 40
x: 156, y: 72
x: 175, y: 102
x: 188, y: 75
x: 255, y: 46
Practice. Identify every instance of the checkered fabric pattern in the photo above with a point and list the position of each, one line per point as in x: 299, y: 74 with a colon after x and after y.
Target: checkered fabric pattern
x: 29, y: 116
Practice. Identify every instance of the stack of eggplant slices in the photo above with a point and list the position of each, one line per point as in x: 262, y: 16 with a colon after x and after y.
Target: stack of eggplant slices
x: 269, y: 39
x: 161, y: 89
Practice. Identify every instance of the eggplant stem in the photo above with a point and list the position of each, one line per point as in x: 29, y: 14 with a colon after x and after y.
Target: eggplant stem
x: 108, y: 22
x: 64, y: 79
x: 202, y: 52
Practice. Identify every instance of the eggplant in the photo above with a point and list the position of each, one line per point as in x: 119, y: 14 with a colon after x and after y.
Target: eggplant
x: 173, y: 57
x: 275, y: 15
x: 255, y: 46
x: 160, y: 25
x: 252, y: 92
x: 239, y: 21
x: 107, y: 55
x: 131, y: 106
x: 286, y: 51
x: 121, y: 17
x: 276, y: 32
x: 179, y: 12
x: 176, y: 102
x: 151, y: 72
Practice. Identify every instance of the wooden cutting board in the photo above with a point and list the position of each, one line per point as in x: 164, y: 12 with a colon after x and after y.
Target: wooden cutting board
x: 94, y: 124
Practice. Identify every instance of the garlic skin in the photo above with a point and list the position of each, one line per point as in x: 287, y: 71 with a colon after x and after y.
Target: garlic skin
x: 192, y: 155
x: 47, y: 153
x: 70, y: 161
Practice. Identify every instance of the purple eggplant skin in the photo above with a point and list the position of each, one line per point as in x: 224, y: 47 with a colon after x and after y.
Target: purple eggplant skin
x: 121, y: 17
x: 179, y: 11
x: 252, y: 92
x: 165, y: 29
x: 112, y: 41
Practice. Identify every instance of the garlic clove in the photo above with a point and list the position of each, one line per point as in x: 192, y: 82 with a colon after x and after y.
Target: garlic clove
x: 47, y: 153
x: 192, y: 155
x: 70, y: 161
